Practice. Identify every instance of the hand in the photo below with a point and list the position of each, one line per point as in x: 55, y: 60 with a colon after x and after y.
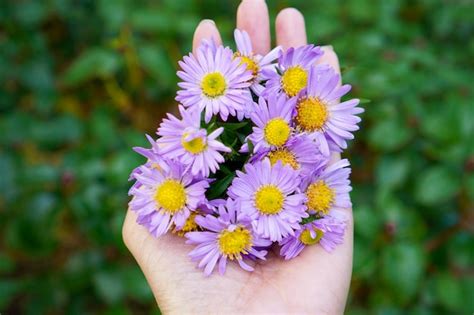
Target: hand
x: 315, y: 282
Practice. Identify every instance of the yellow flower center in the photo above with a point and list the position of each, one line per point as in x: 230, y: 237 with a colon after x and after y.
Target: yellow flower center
x: 306, y: 238
x: 250, y: 63
x: 236, y: 242
x: 293, y: 80
x: 193, y: 146
x: 213, y: 84
x: 269, y: 199
x: 277, y: 131
x: 171, y: 195
x: 320, y: 197
x: 311, y: 114
x: 189, y: 226
x: 285, y: 156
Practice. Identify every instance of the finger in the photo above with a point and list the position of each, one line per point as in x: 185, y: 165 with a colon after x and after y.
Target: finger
x: 290, y: 28
x: 252, y: 17
x: 207, y: 29
x: 329, y: 57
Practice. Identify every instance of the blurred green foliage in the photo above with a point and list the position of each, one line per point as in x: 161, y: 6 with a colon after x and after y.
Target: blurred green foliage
x: 81, y: 81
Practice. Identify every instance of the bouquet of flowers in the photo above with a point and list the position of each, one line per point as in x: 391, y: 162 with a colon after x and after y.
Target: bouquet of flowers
x: 247, y: 164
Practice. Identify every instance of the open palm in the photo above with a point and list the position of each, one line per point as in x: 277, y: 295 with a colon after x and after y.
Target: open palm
x: 315, y: 282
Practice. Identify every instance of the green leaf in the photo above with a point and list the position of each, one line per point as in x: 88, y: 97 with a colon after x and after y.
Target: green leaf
x: 467, y: 283
x: 365, y: 261
x: 151, y: 20
x: 392, y: 171
x: 8, y: 289
x: 156, y: 62
x: 444, y: 125
x: 225, y: 169
x: 460, y: 251
x: 234, y: 126
x: 121, y: 165
x: 136, y: 284
x: 114, y: 13
x: 250, y: 145
x: 449, y: 291
x: 364, y: 100
x: 469, y: 185
x: 6, y: 263
x: 309, y: 219
x: 63, y: 130
x: 93, y: 63
x: 402, y: 269
x: 220, y: 186
x: 109, y: 285
x: 367, y: 221
x: 437, y: 184
x: 389, y: 134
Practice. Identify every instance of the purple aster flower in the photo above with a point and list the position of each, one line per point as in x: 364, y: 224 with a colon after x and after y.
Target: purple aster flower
x: 214, y: 82
x: 292, y: 74
x: 187, y: 142
x: 327, y: 231
x: 272, y: 123
x: 151, y: 153
x: 189, y: 225
x: 204, y: 208
x: 211, y: 206
x: 208, y: 44
x: 300, y: 152
x: 267, y: 194
x: 166, y: 196
x: 328, y: 189
x: 228, y: 236
x: 254, y: 62
x: 153, y: 159
x: 320, y: 114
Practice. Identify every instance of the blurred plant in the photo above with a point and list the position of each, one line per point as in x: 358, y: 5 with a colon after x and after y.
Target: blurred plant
x: 80, y: 81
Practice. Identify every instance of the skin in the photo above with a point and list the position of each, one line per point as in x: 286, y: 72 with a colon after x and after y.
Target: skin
x: 316, y: 282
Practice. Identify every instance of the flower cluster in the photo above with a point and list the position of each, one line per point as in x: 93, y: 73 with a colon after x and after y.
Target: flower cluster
x: 247, y: 163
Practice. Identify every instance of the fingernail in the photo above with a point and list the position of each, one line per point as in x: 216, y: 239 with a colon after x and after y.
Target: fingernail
x: 328, y: 47
x: 208, y: 21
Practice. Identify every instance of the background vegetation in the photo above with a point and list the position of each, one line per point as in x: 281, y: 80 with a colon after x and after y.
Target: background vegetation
x: 82, y: 81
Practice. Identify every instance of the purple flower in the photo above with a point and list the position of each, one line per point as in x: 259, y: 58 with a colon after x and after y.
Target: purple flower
x: 166, y: 196
x: 328, y: 189
x: 204, y: 208
x: 327, y: 231
x: 228, y: 236
x: 153, y: 159
x: 152, y: 153
x: 187, y: 142
x: 189, y: 225
x: 272, y: 123
x: 300, y: 152
x: 214, y: 81
x: 292, y: 74
x: 267, y: 194
x: 320, y: 114
x: 254, y: 62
